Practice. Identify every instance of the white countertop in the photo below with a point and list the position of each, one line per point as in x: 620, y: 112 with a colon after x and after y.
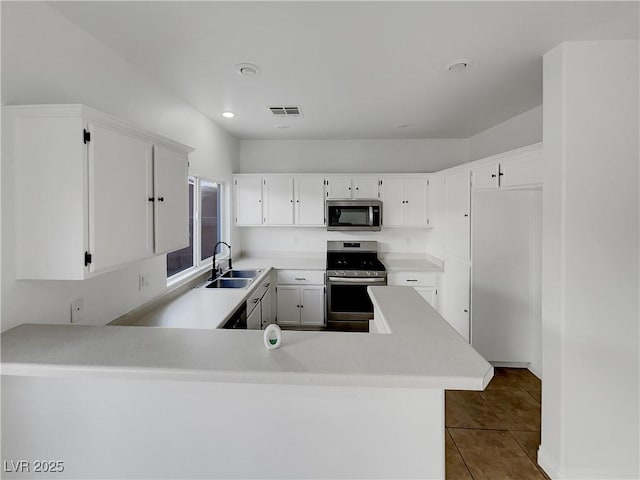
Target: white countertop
x: 422, y: 351
x: 411, y: 264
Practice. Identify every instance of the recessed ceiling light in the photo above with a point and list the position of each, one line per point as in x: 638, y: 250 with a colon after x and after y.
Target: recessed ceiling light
x: 247, y: 69
x: 282, y: 126
x: 228, y: 114
x: 459, y: 65
x: 401, y: 125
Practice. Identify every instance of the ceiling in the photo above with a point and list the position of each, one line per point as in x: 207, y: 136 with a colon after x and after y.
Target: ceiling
x: 356, y: 69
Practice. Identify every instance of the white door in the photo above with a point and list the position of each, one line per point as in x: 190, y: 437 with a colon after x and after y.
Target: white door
x: 309, y: 200
x: 458, y: 243
x: 392, y: 195
x: 312, y: 302
x: 277, y: 198
x: 248, y: 200
x: 416, y: 197
x: 486, y: 177
x: 366, y: 188
x: 171, y: 200
x: 338, y: 187
x: 520, y: 172
x: 266, y: 305
x: 456, y: 295
x: 288, y: 299
x: 120, y: 186
x: 254, y: 320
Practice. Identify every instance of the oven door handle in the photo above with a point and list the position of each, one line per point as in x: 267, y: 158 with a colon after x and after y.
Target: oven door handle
x: 362, y: 280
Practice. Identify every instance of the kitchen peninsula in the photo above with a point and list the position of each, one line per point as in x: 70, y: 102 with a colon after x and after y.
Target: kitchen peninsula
x: 324, y: 405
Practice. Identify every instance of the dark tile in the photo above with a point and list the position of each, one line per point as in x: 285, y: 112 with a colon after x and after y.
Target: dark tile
x: 537, y: 395
x: 527, y: 380
x: 503, y: 379
x: 515, y: 408
x: 455, y: 469
x: 493, y: 454
x: 529, y: 441
x: 466, y: 409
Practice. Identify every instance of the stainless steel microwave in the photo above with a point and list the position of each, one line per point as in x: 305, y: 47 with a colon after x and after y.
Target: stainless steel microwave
x: 354, y: 215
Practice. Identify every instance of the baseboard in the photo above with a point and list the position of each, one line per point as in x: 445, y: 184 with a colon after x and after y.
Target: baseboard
x: 535, y: 369
x: 548, y: 464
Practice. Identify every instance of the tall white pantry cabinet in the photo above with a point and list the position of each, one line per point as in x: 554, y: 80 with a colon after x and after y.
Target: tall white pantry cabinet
x: 92, y: 192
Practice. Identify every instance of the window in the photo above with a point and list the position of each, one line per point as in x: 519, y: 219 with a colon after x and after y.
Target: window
x: 205, y: 227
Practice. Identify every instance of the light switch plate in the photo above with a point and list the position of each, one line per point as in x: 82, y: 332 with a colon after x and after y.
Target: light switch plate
x: 77, y: 310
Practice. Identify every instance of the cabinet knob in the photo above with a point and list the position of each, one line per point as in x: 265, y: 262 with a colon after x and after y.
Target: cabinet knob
x: 151, y: 199
x: 290, y: 201
x: 466, y: 311
x: 466, y: 214
x: 161, y: 199
x: 301, y: 306
x: 297, y: 201
x: 493, y: 175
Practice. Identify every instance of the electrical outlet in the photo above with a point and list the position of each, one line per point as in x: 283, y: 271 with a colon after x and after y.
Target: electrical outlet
x: 77, y: 310
x: 143, y: 282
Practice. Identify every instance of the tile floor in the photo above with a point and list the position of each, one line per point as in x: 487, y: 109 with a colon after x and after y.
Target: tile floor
x: 494, y: 435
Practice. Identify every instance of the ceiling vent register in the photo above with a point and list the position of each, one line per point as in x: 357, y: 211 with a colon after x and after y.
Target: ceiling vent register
x: 286, y: 111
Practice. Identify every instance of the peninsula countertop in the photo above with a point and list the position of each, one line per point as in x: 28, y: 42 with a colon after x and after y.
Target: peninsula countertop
x: 422, y: 351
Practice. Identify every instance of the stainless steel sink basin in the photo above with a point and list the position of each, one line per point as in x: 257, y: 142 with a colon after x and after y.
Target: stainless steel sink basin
x: 230, y: 283
x: 241, y: 274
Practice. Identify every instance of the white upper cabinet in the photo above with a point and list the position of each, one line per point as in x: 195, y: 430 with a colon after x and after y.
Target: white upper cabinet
x: 171, y: 198
x: 309, y: 200
x: 338, y: 187
x: 486, y: 176
x: 277, y: 199
x: 405, y: 201
x: 85, y: 193
x: 458, y: 220
x: 366, y: 187
x: 516, y: 169
x: 120, y: 197
x: 352, y: 187
x: 248, y: 199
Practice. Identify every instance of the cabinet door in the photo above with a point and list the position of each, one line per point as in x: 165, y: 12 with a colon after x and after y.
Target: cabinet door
x: 309, y: 200
x: 171, y: 206
x: 366, y: 188
x: 486, y: 177
x: 429, y: 294
x: 248, y: 200
x: 120, y: 185
x: 254, y: 320
x: 392, y: 194
x: 522, y: 172
x: 266, y: 308
x: 416, y: 197
x: 457, y: 293
x: 288, y: 299
x: 338, y: 187
x: 277, y: 196
x: 312, y: 302
x: 458, y: 243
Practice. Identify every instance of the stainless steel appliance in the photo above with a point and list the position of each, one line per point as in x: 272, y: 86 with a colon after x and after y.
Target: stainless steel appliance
x: 354, y: 215
x: 351, y: 267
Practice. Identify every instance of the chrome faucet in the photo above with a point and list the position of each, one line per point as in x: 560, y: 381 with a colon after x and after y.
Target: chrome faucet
x: 215, y: 271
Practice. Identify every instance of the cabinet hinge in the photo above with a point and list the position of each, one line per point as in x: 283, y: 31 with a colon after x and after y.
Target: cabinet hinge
x: 235, y: 182
x: 87, y: 258
x: 427, y: 221
x: 380, y: 182
x: 427, y: 183
x: 86, y: 136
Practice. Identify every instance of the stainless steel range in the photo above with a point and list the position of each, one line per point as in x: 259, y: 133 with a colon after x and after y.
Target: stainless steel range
x: 351, y: 268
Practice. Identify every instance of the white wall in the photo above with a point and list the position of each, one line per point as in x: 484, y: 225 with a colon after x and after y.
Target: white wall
x: 314, y: 239
x: 353, y: 156
x: 47, y: 59
x: 590, y: 310
x: 519, y: 131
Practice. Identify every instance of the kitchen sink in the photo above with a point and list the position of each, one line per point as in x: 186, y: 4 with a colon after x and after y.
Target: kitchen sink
x: 241, y: 274
x: 230, y: 283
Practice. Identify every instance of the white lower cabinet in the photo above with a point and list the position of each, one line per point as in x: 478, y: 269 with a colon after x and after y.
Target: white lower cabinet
x: 259, y: 306
x: 266, y: 309
x: 298, y: 301
x: 425, y: 283
x: 457, y: 283
x: 254, y: 319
